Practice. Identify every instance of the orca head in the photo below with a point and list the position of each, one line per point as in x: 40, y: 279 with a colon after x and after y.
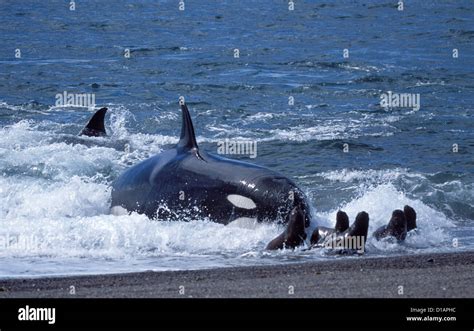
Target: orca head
x: 273, y: 197
x: 284, y: 190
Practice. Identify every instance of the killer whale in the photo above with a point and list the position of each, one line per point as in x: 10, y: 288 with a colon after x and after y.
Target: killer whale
x: 95, y: 127
x: 187, y: 181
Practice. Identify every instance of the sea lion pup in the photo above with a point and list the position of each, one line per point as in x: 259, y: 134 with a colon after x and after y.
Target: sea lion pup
x: 410, y: 215
x: 351, y: 240
x: 294, y: 234
x: 321, y: 232
x: 398, y: 226
x: 343, y: 238
x: 95, y: 127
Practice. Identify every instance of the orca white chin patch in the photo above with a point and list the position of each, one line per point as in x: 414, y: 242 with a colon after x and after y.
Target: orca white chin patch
x: 244, y: 223
x: 241, y: 202
x: 118, y: 211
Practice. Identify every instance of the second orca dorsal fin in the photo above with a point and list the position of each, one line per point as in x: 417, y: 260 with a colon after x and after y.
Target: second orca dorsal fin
x: 187, y: 139
x: 95, y: 127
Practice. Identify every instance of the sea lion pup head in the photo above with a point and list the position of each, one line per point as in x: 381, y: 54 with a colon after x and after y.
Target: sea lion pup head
x: 294, y: 234
x: 321, y: 232
x: 410, y: 215
x: 315, y: 237
x: 360, y: 227
x: 397, y: 226
x: 342, y: 222
x: 353, y: 239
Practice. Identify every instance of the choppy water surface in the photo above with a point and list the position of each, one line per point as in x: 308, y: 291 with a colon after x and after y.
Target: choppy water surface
x: 55, y: 187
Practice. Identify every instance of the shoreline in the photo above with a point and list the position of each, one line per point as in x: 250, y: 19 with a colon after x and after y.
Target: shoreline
x: 434, y: 275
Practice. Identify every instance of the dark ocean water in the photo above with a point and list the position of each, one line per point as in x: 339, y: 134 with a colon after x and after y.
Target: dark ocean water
x: 55, y: 187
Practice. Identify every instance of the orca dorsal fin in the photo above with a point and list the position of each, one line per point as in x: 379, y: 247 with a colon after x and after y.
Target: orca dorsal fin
x: 187, y: 140
x: 95, y: 127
